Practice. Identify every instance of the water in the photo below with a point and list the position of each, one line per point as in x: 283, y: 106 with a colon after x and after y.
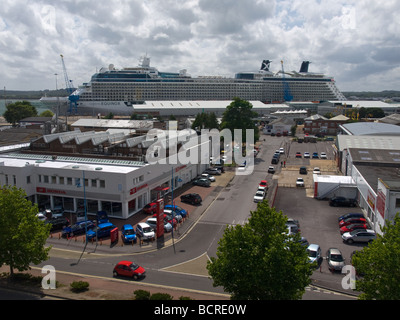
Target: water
x: 40, y: 106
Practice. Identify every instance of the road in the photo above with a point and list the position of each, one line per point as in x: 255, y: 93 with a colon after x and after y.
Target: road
x: 183, y: 264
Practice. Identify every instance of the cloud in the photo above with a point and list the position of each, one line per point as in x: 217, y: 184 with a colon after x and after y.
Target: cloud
x: 354, y: 41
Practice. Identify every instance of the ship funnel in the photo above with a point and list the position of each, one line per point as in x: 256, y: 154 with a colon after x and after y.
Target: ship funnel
x: 304, y: 66
x: 265, y: 65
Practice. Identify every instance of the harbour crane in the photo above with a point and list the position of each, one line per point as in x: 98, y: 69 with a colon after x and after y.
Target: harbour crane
x: 286, y: 89
x: 73, y: 99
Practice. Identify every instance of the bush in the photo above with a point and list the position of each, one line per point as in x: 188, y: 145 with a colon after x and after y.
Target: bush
x: 79, y: 286
x: 160, y: 296
x: 141, y: 295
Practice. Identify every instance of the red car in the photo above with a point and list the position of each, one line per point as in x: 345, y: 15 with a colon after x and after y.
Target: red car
x: 150, y: 208
x: 352, y: 227
x: 263, y: 185
x: 129, y: 269
x: 346, y: 222
x: 298, y: 154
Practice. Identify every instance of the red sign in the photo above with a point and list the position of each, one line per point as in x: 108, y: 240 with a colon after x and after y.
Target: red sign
x: 136, y: 189
x: 47, y: 190
x: 160, y: 218
x: 114, y: 235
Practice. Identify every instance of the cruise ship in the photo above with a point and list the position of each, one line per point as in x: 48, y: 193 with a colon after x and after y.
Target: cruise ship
x: 119, y: 91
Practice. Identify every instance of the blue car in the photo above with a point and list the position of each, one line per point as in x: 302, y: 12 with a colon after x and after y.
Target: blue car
x: 77, y: 229
x: 177, y: 210
x: 315, y: 155
x: 128, y: 234
x: 102, y: 230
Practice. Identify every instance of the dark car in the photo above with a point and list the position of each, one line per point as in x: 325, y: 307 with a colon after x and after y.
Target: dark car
x: 342, y: 202
x: 177, y: 209
x: 315, y: 155
x: 129, y: 269
x: 192, y: 198
x: 351, y: 215
x: 77, y: 229
x: 202, y: 182
x: 303, y: 170
x: 101, y: 231
x: 298, y: 154
x: 57, y: 223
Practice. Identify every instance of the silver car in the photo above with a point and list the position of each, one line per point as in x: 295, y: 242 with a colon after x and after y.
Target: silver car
x: 335, y: 259
x: 360, y: 235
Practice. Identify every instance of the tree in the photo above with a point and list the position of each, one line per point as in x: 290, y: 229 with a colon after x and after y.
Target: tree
x: 19, y: 110
x: 239, y: 115
x: 379, y: 265
x: 22, y: 234
x: 46, y: 113
x: 205, y: 121
x: 259, y: 260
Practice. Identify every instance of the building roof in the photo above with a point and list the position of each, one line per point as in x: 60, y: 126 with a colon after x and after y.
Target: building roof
x: 392, y: 119
x: 370, y: 128
x: 114, y: 123
x: 368, y: 142
x: 316, y: 117
x: 339, y: 117
x: 364, y: 103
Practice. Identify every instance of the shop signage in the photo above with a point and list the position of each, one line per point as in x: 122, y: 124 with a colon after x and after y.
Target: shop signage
x: 47, y: 190
x: 160, y: 218
x: 137, y: 189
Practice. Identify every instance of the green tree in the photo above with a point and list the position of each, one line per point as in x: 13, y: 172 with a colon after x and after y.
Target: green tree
x: 259, y: 260
x: 22, y: 234
x: 379, y: 265
x: 46, y: 113
x: 239, y: 115
x: 205, y: 121
x: 19, y: 110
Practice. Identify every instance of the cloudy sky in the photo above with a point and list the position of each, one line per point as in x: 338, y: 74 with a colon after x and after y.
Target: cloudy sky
x: 355, y: 41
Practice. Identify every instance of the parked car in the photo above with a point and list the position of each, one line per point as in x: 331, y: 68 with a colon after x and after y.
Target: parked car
x: 170, y: 212
x: 306, y: 155
x: 41, y: 216
x: 351, y: 215
x: 208, y: 176
x: 293, y: 221
x: 77, y: 229
x: 129, y: 269
x: 144, y: 231
x: 303, y: 170
x: 103, y: 230
x: 263, y: 185
x: 152, y: 222
x: 213, y: 171
x: 342, y: 202
x: 259, y: 196
x: 352, y: 227
x: 202, y: 182
x: 150, y: 208
x: 192, y: 198
x: 292, y: 229
x: 346, y: 222
x: 57, y: 212
x: 314, y: 253
x: 367, y: 235
x: 316, y: 170
x: 274, y: 160
x: 271, y: 169
x: 323, y: 155
x: 281, y: 150
x: 315, y: 155
x: 177, y: 209
x: 57, y: 223
x: 128, y: 234
x: 335, y: 259
x: 298, y: 154
x: 300, y: 182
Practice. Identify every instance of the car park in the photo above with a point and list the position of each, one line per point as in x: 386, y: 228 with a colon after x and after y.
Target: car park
x: 103, y: 230
x: 315, y: 155
x: 346, y: 222
x: 316, y: 170
x: 259, y: 196
x: 144, y: 231
x: 342, y: 202
x: 367, y: 235
x: 306, y: 155
x: 202, y: 182
x: 177, y: 209
x: 128, y: 234
x: 335, y: 259
x: 192, y: 198
x: 314, y: 253
x: 77, y: 229
x: 300, y: 182
x: 150, y: 208
x: 351, y: 215
x: 323, y: 155
x: 129, y: 269
x: 263, y: 185
x: 352, y: 227
x: 152, y: 222
x: 271, y: 169
x: 303, y: 170
x: 57, y: 223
